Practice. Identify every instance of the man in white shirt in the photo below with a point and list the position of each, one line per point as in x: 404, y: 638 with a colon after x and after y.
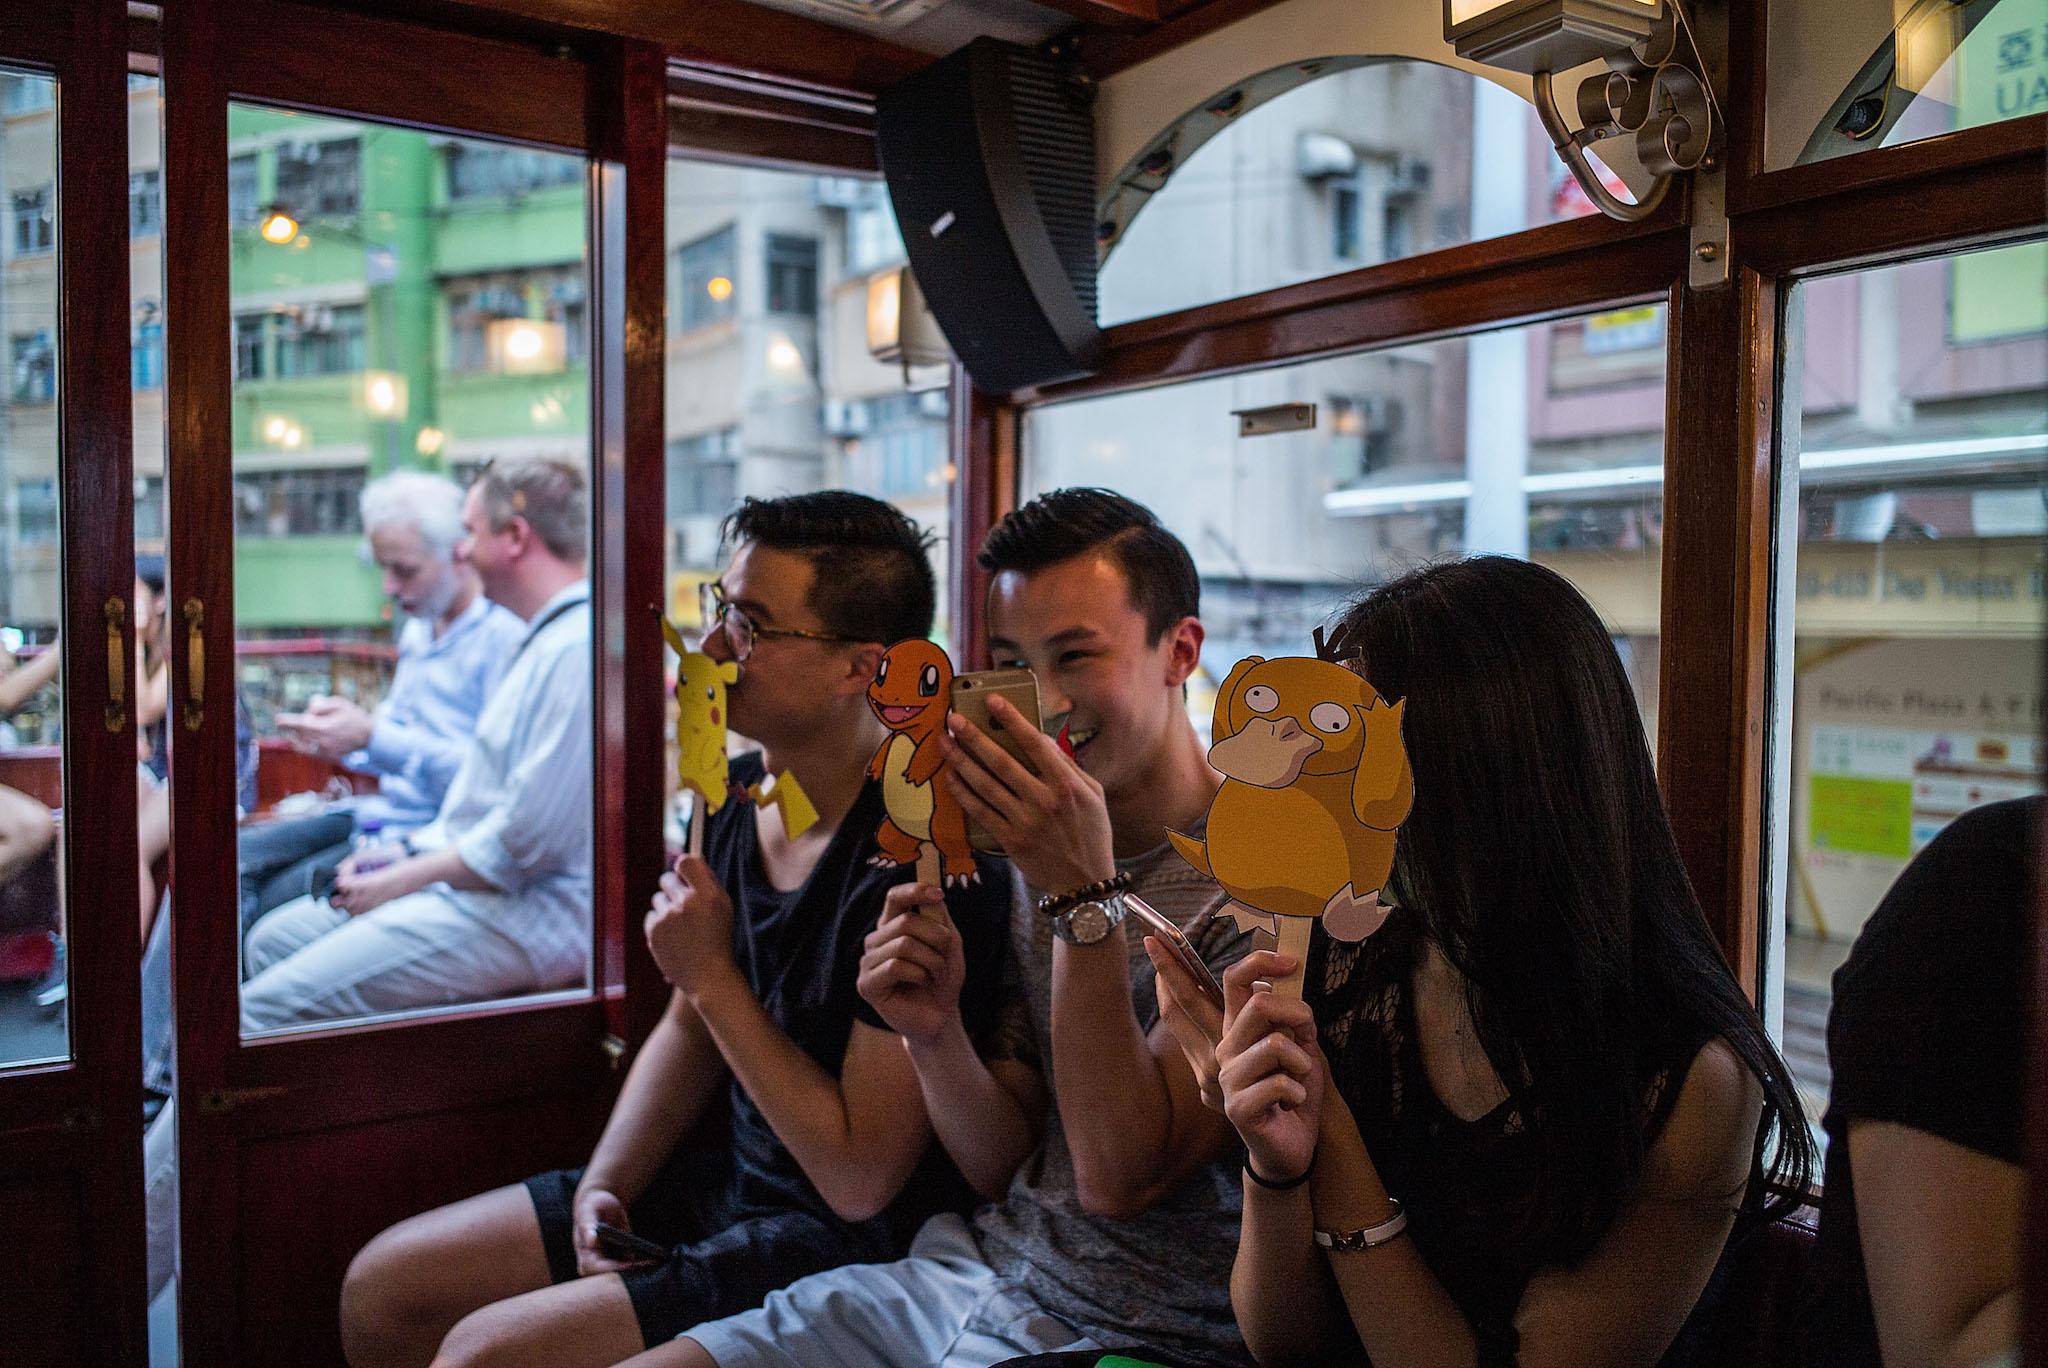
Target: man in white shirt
x: 493, y: 897
x: 452, y: 648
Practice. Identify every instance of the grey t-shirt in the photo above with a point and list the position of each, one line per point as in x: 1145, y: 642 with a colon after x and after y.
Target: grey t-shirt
x: 1161, y: 1279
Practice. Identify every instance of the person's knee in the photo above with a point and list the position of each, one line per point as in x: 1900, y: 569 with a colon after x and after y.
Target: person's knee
x: 485, y: 1338
x: 389, y: 1311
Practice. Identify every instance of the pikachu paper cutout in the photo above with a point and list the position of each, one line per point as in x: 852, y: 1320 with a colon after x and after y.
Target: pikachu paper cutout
x: 912, y: 691
x: 1316, y: 784
x: 701, y: 767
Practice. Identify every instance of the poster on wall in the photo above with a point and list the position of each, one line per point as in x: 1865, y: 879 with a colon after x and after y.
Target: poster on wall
x: 1893, y: 740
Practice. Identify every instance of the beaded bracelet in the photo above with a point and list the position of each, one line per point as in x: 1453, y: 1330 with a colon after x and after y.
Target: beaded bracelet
x: 1052, y: 904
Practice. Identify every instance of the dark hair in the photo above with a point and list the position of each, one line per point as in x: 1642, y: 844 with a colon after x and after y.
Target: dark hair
x: 149, y: 568
x: 1065, y: 523
x: 872, y: 576
x: 1539, y: 858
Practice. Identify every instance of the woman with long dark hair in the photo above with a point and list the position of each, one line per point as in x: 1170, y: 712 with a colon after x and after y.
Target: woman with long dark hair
x: 1519, y: 1123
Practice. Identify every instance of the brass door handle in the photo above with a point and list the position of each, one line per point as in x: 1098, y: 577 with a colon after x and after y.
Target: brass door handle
x: 115, y: 610
x: 195, y: 664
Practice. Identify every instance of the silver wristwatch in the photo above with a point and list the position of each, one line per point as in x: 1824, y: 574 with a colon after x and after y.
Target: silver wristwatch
x: 1089, y: 923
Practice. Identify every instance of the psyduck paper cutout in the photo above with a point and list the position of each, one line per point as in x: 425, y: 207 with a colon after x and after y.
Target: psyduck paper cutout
x: 912, y: 691
x: 701, y: 767
x: 1316, y: 784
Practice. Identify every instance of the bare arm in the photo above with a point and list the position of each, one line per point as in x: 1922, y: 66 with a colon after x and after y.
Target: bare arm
x: 1940, y: 1226
x: 989, y: 1116
x: 1133, y: 1115
x: 1135, y: 1124
x: 675, y: 1074
x: 912, y: 971
x: 857, y: 1136
x: 854, y: 1136
x: 1622, y: 1305
x: 25, y: 683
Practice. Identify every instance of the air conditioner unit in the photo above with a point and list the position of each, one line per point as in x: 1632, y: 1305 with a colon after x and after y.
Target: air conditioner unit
x: 1410, y: 176
x: 841, y: 192
x: 845, y: 417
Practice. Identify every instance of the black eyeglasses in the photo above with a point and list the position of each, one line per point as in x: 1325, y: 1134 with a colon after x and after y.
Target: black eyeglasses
x: 742, y: 631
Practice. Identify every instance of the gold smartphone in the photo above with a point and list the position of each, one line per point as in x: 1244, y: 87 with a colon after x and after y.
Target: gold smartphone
x: 971, y: 693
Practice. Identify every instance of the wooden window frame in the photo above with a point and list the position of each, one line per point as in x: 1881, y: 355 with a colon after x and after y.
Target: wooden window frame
x: 71, y: 1281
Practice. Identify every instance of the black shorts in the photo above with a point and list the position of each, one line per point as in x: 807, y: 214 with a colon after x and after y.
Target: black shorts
x: 718, y: 1265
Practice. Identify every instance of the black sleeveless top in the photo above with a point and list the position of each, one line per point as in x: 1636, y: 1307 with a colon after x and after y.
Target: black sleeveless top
x: 1465, y: 1185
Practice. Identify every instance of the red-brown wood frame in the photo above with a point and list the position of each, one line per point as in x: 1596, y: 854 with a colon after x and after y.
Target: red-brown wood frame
x: 398, y: 1117
x: 71, y: 1275
x: 1967, y: 189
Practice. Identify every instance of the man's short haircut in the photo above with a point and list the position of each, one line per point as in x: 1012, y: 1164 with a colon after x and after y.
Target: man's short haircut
x: 548, y: 494
x: 871, y: 574
x: 431, y: 505
x: 1159, y: 574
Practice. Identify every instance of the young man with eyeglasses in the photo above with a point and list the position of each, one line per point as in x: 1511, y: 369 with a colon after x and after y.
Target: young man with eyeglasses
x: 772, y: 1125
x: 1114, y: 1192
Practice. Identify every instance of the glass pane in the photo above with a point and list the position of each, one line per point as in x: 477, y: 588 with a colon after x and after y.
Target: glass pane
x: 771, y: 389
x: 34, y: 985
x: 1848, y: 75
x: 1369, y: 163
x: 1914, y: 674
x: 1545, y: 442
x: 412, y: 642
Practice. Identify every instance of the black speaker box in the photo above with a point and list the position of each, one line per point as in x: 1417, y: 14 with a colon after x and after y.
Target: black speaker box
x: 989, y: 154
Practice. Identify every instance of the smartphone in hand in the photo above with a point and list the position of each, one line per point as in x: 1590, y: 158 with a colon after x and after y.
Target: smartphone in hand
x: 1177, y: 945
x: 627, y: 1247
x: 971, y: 693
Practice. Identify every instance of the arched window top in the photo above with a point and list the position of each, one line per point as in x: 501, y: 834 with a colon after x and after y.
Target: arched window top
x: 1318, y: 167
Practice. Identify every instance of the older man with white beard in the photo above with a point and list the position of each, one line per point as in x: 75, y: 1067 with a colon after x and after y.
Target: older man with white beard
x: 451, y: 651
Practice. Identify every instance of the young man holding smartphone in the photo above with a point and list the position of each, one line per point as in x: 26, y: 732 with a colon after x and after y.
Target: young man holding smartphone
x: 1114, y: 1210
x: 763, y: 1132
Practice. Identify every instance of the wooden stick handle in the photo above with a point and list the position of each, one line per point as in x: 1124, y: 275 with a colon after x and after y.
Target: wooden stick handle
x: 699, y: 813
x: 928, y: 866
x: 1294, y: 934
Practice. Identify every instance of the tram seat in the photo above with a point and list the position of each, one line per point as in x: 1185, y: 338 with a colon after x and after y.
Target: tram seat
x: 282, y: 770
x: 1766, y: 1290
x: 37, y: 771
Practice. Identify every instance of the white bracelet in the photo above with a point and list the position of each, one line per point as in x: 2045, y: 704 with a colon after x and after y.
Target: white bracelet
x: 1367, y: 1237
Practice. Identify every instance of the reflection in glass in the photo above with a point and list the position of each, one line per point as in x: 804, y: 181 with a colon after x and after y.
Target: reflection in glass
x: 1875, y: 73
x: 34, y: 983
x: 1544, y: 442
x: 1914, y: 688
x: 411, y: 412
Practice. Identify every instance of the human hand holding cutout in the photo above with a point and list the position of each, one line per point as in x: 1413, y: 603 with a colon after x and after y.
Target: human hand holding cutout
x: 912, y: 965
x: 1270, y: 1068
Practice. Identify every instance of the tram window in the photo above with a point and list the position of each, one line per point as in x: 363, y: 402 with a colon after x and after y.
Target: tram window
x: 1362, y: 165
x: 1917, y: 485
x: 407, y: 312
x: 1483, y: 443
x: 786, y: 399
x: 34, y: 1007
x: 1874, y: 73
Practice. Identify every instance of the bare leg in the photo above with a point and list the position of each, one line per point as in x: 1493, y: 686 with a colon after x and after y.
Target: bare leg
x: 588, y: 1323
x: 152, y: 839
x: 26, y: 830
x: 682, y: 1353
x: 408, y: 1287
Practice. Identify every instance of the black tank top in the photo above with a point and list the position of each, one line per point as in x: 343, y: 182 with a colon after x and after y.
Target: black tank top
x: 1465, y: 1184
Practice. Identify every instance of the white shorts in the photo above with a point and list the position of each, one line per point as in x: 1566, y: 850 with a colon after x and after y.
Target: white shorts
x: 940, y: 1308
